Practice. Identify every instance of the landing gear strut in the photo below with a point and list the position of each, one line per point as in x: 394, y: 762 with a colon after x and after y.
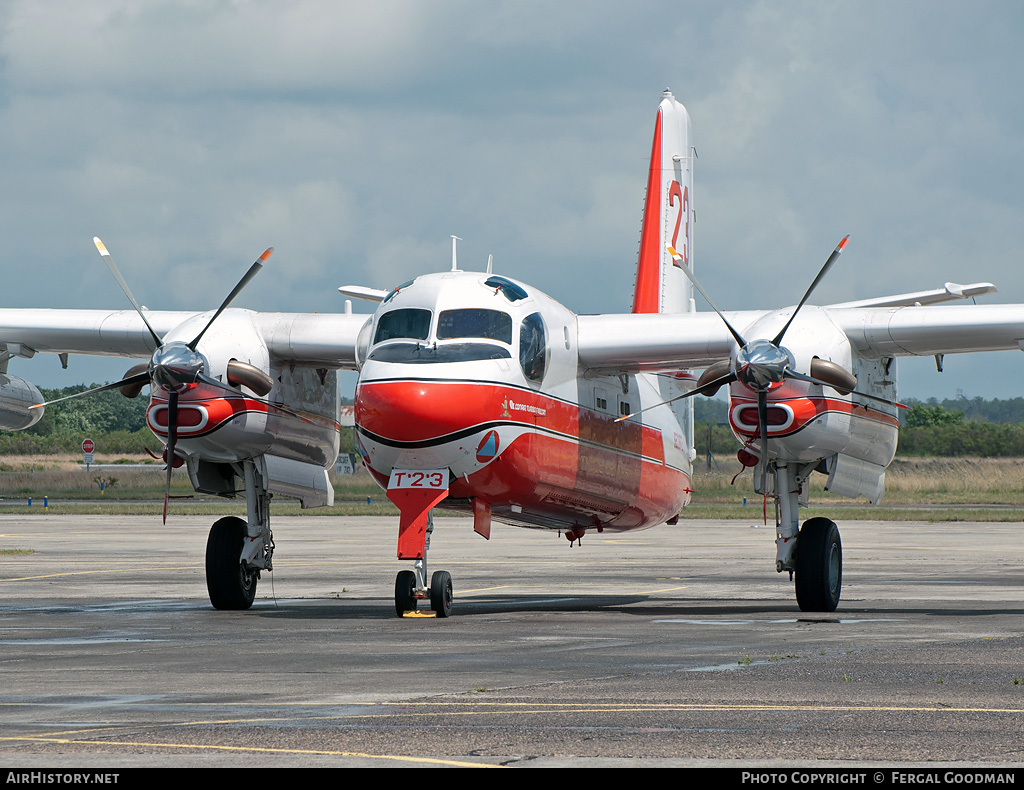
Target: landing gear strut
x: 236, y: 550
x: 411, y: 586
x: 814, y: 553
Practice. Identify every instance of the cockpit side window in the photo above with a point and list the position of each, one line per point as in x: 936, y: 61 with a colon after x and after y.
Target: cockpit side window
x: 474, y: 322
x: 410, y: 322
x: 533, y: 347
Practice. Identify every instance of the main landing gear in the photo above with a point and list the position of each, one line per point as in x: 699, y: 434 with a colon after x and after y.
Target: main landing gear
x: 819, y: 566
x: 236, y: 550
x: 411, y: 586
x: 814, y: 553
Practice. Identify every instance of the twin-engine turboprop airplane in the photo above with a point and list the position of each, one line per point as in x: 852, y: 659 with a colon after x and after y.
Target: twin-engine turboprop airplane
x: 482, y: 392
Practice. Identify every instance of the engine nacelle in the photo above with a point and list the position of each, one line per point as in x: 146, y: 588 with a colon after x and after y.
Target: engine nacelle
x: 16, y: 398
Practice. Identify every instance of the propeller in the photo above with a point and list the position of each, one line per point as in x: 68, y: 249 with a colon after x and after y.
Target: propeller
x: 763, y: 365
x: 175, y: 366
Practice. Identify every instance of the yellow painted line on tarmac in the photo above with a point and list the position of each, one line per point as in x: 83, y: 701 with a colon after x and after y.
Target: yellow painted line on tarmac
x: 256, y: 750
x: 486, y: 708
x: 94, y: 572
x: 904, y: 547
x: 453, y: 709
x: 486, y: 589
x: 662, y: 590
x: 482, y: 707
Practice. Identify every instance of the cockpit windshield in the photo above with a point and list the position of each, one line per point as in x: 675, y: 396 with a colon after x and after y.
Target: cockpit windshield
x: 410, y: 322
x: 475, y: 322
x: 421, y: 353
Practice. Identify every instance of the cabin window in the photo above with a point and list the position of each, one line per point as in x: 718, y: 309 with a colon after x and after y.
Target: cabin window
x: 533, y: 347
x: 475, y: 322
x: 410, y: 322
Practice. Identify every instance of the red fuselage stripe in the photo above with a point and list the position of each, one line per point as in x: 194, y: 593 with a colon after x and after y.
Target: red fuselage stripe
x: 806, y: 410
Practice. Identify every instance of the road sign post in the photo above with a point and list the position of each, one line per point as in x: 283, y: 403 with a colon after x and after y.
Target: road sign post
x: 88, y: 449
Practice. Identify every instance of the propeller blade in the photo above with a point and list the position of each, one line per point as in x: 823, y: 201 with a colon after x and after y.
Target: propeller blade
x: 253, y: 271
x: 762, y: 429
x: 711, y: 386
x: 790, y: 374
x: 107, y: 259
x: 141, y: 378
x: 172, y: 439
x: 686, y: 270
x: 824, y: 270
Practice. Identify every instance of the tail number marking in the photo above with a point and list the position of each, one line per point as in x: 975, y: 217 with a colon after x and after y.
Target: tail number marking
x: 418, y: 478
x: 683, y: 195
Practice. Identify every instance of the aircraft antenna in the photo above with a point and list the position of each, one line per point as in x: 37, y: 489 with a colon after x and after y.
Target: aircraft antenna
x: 455, y: 260
x: 490, y: 263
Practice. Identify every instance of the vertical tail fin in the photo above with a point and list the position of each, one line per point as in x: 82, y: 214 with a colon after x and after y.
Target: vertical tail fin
x: 668, y: 216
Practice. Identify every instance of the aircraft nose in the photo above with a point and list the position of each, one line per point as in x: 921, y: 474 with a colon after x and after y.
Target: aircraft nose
x: 411, y: 411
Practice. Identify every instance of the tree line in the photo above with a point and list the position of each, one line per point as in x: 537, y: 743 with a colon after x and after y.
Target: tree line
x: 961, y: 427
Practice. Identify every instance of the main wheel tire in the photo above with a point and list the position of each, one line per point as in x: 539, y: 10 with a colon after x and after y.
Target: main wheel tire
x: 441, y: 593
x: 229, y: 584
x: 405, y: 592
x: 819, y: 566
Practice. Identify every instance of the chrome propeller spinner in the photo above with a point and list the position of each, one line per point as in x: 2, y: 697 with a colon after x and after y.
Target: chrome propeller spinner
x: 761, y: 364
x: 174, y: 366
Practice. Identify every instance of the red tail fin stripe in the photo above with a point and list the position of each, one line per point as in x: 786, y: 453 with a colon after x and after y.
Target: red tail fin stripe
x: 647, y: 297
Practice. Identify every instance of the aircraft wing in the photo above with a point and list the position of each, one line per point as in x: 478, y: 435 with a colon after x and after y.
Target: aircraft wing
x: 306, y: 339
x: 313, y: 339
x: 925, y: 331
x: 623, y: 343
x: 629, y: 342
x: 118, y: 333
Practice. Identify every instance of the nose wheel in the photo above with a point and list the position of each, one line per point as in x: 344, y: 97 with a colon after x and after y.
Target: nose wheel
x: 405, y: 592
x: 411, y: 586
x: 441, y: 593
x: 409, y: 590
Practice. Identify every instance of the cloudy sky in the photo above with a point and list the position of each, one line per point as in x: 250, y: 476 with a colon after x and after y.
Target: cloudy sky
x: 355, y: 137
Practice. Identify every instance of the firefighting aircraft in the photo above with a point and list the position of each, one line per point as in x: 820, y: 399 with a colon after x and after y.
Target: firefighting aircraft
x: 481, y: 392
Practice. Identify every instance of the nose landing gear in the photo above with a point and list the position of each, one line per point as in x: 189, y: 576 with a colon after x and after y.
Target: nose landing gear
x: 411, y: 586
x: 416, y: 492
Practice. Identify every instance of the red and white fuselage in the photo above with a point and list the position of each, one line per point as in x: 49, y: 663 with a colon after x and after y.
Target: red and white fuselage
x: 480, y: 375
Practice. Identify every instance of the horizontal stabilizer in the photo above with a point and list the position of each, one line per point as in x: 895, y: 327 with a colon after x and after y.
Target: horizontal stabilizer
x: 364, y: 293
x: 950, y: 293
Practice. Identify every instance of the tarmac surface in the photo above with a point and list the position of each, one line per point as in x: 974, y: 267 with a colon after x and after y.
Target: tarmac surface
x: 673, y: 646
